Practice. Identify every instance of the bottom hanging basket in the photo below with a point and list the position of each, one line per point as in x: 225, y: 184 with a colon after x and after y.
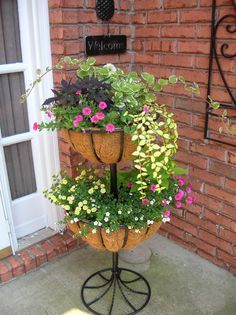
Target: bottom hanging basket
x: 114, y: 241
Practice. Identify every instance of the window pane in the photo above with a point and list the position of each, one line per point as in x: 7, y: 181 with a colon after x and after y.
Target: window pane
x: 13, y: 115
x: 10, y: 51
x: 20, y: 169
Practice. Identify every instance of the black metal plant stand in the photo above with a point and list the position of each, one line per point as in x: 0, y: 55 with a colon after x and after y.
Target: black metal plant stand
x: 132, y: 287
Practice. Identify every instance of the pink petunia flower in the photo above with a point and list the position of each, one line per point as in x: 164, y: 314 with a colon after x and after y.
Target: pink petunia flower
x: 100, y: 115
x: 178, y: 204
x: 179, y: 195
x: 146, y: 109
x: 163, y: 202
x: 110, y: 127
x: 189, y: 200
x: 188, y: 190
x: 102, y: 105
x: 167, y: 213
x: 181, y: 182
x: 78, y: 92
x: 79, y: 118
x: 35, y: 126
x: 130, y: 184
x: 75, y: 123
x: 94, y: 119
x: 145, y: 201
x: 153, y: 187
x: 86, y: 111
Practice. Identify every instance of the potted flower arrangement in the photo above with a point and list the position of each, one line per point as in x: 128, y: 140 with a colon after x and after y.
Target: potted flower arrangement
x: 111, y: 116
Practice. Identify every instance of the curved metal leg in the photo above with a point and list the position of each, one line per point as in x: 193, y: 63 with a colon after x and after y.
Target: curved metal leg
x: 116, y: 282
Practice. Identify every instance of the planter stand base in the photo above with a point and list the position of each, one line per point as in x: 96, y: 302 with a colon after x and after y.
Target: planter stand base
x: 132, y: 288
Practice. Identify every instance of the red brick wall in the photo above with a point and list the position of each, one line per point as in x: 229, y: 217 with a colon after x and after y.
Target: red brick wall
x: 166, y: 37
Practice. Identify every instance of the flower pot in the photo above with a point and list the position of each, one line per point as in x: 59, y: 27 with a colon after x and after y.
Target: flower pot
x: 114, y: 241
x: 102, y: 147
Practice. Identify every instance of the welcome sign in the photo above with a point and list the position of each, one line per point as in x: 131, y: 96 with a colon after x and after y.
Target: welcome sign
x: 102, y: 45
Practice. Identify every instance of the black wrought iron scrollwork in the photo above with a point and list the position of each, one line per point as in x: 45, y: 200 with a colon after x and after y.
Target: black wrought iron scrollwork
x: 218, y: 51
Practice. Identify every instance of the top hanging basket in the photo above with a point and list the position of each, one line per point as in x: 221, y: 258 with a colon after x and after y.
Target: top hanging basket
x: 100, y: 146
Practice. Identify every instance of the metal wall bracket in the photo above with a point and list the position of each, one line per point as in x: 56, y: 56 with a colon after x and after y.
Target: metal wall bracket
x: 221, y: 51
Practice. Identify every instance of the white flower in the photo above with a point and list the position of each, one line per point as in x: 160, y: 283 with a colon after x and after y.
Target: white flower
x: 95, y: 223
x: 119, y: 212
x: 76, y: 219
x: 136, y: 231
x: 94, y: 231
x: 71, y: 221
x: 141, y: 218
x: 128, y: 212
x: 136, y: 219
x: 107, y: 214
x: 110, y: 67
x: 108, y: 231
x: 167, y: 202
x: 99, y: 224
x: 164, y: 220
x: 151, y: 202
x: 167, y: 219
x: 106, y: 219
x: 170, y: 198
x: 129, y: 227
x: 150, y: 222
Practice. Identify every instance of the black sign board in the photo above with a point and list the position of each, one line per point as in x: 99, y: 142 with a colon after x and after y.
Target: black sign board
x: 102, y: 45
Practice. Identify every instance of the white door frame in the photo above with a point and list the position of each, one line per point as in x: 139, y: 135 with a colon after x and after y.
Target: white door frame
x: 36, y: 53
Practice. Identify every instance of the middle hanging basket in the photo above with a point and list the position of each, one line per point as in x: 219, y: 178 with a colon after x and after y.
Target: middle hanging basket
x: 114, y: 241
x: 100, y: 146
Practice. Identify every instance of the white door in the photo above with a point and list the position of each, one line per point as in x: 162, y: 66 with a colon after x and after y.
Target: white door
x: 30, y: 157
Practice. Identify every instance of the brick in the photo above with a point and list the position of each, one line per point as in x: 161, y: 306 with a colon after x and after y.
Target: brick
x: 222, y: 168
x: 209, y: 202
x: 219, y: 193
x: 230, y: 185
x: 194, y: 208
x: 192, y: 159
x: 206, y: 3
x: 54, y: 4
x: 70, y: 242
x: 231, y: 260
x: 190, y: 105
x: 170, y: 4
x: 58, y: 243
x: 142, y: 31
x: 202, y: 222
x: 177, y: 60
x: 49, y: 250
x: 182, y: 224
x: 201, y: 244
x: 198, y: 121
x: 171, y: 229
x: 196, y: 47
x: 219, y: 219
x: 40, y: 256
x: 139, y: 18
x: 72, y: 3
x: 74, y: 17
x: 207, y: 176
x: 28, y: 260
x: 147, y: 5
x: 146, y: 58
x: 208, y: 150
x: 203, y: 31
x: 229, y: 235
x: 178, y: 31
x: 5, y: 272
x: 193, y: 16
x: 162, y: 17
x: 229, y: 210
x: 232, y: 158
x: 183, y: 144
x: 17, y: 265
x: 159, y: 45
x: 73, y: 47
x: 182, y: 116
x: 215, y: 241
x: 55, y: 17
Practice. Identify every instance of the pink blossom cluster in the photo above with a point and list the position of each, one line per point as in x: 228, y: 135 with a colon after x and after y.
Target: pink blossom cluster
x: 87, y: 111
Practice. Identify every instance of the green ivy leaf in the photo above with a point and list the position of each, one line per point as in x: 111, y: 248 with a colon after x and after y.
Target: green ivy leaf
x: 149, y: 78
x: 173, y: 79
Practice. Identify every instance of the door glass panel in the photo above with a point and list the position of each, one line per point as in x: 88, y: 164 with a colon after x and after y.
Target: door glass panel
x: 20, y: 169
x: 13, y: 115
x: 10, y: 51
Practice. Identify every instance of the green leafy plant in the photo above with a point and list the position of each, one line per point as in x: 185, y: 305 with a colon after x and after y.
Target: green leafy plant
x: 108, y: 98
x: 87, y: 199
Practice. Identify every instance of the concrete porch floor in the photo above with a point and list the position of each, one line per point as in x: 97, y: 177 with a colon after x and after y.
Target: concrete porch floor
x: 182, y: 283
